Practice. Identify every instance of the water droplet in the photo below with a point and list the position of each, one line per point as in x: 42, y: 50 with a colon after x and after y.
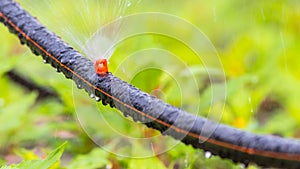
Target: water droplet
x: 44, y: 60
x: 79, y: 86
x: 57, y: 70
x: 242, y: 166
x: 126, y: 115
x: 186, y: 161
x: 97, y: 98
x: 250, y: 102
x: 128, y: 4
x: 92, y: 95
x: 208, y: 154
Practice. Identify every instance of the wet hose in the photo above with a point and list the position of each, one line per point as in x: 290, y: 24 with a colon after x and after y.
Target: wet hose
x: 224, y: 141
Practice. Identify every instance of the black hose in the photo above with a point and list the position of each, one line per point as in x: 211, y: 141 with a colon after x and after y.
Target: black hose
x: 225, y: 141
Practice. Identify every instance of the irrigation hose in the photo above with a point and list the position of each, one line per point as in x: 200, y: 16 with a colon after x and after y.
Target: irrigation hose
x: 225, y: 141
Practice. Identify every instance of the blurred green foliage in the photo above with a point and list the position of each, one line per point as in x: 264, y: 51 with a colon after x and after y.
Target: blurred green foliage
x: 31, y: 161
x: 257, y: 43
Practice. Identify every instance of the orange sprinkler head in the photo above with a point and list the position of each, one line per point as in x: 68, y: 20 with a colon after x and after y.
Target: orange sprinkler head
x: 101, y: 67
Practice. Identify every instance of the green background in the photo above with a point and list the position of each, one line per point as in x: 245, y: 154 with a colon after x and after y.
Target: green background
x: 257, y: 43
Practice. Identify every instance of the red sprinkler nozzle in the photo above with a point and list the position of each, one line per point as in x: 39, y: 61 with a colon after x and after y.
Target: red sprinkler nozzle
x: 101, y: 66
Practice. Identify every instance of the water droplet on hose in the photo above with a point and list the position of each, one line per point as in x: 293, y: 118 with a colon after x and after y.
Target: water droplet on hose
x: 44, y: 60
x: 242, y: 166
x: 97, y: 98
x: 79, y: 86
x: 92, y: 95
x: 208, y: 154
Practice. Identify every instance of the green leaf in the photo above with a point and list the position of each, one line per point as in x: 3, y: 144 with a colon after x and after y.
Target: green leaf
x: 97, y: 158
x: 13, y: 118
x: 50, y: 161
